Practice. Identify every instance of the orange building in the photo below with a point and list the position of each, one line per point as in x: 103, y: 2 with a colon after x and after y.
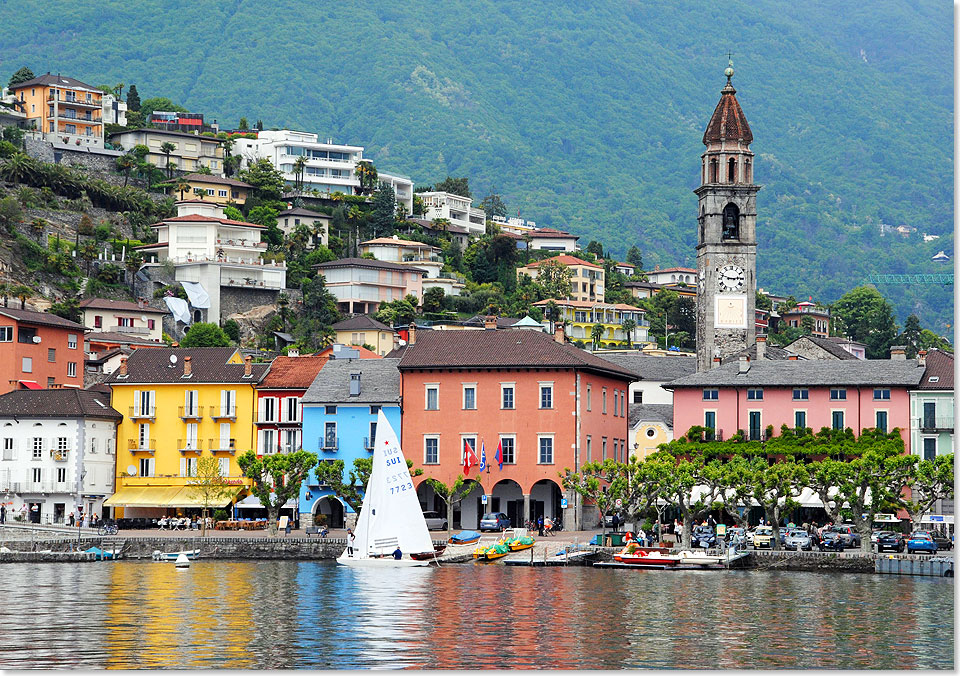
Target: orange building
x: 65, y: 110
x: 549, y: 405
x: 39, y: 350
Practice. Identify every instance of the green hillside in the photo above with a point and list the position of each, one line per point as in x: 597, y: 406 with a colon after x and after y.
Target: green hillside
x: 586, y: 116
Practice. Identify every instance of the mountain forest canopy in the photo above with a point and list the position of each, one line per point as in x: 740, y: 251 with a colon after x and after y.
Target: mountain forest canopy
x: 588, y: 119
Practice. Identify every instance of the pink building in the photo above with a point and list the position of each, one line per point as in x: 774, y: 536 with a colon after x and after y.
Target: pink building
x: 749, y: 396
x: 361, y: 285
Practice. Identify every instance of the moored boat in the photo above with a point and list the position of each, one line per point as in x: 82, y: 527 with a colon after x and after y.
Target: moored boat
x: 427, y: 556
x: 466, y: 537
x: 686, y: 556
x: 191, y: 554
x: 498, y: 551
x: 634, y: 555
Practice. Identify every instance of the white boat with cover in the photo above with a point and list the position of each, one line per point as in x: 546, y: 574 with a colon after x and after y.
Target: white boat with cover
x: 390, y: 516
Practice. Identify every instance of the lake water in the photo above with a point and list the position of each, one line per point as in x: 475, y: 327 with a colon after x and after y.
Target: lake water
x: 276, y: 615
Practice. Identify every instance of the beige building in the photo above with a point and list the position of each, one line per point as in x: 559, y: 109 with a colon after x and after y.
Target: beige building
x: 650, y: 426
x: 121, y: 316
x: 318, y: 223
x: 216, y: 189
x: 365, y: 330
x: 586, y: 283
x: 62, y: 109
x: 190, y: 151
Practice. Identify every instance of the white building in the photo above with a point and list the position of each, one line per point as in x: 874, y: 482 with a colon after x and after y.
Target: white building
x: 58, y: 453
x: 549, y: 239
x: 330, y: 166
x: 669, y: 276
x: 456, y: 209
x: 122, y: 316
x: 415, y: 254
x: 214, y: 251
x: 651, y: 374
x: 114, y: 110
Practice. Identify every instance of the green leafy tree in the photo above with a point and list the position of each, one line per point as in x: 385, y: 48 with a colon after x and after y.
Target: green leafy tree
x: 267, y: 182
x: 205, y: 334
x: 10, y: 213
x: 763, y: 301
x: 454, y: 186
x: 276, y: 478
x: 233, y: 213
x: 452, y: 495
x: 931, y: 481
x: 911, y: 336
x: 555, y: 278
x: 157, y: 103
x: 773, y: 487
x: 232, y: 329
x: 243, y: 125
x: 493, y: 205
x: 133, y: 99
x: 635, y: 258
x: 867, y: 317
x: 22, y: 75
x: 382, y: 217
x: 316, y: 315
x: 350, y: 488
x: 209, y: 487
x: 596, y: 248
x: 401, y: 311
x: 433, y: 299
x: 598, y: 483
x: 687, y: 483
x: 596, y: 335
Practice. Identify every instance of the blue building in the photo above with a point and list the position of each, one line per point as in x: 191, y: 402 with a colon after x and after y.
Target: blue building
x: 340, y: 423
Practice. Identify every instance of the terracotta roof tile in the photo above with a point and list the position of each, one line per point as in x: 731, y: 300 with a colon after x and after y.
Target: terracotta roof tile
x: 728, y: 122
x: 292, y: 372
x: 42, y: 318
x: 107, y: 304
x: 565, y: 260
x: 939, y: 366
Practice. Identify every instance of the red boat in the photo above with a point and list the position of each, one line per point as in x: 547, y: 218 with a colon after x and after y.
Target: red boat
x: 636, y: 556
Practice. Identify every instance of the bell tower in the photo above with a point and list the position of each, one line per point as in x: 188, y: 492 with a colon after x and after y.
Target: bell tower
x: 727, y: 233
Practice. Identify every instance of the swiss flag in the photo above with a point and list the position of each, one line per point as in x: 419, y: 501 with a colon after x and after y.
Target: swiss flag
x: 469, y: 458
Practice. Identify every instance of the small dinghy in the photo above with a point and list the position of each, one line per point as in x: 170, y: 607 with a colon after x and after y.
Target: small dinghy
x: 466, y: 537
x: 191, y: 554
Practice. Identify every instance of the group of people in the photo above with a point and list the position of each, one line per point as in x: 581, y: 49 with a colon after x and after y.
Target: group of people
x: 184, y: 522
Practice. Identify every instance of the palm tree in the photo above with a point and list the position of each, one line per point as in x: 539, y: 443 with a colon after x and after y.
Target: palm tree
x: 299, y: 167
x: 182, y: 186
x: 166, y: 148
x: 18, y: 167
x: 126, y: 163
x: 21, y: 292
x: 596, y: 333
x: 628, y: 326
x: 367, y: 176
x: 171, y: 166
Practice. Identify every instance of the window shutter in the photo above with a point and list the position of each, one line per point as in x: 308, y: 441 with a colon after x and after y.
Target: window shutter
x: 136, y: 401
x: 223, y: 402
x: 225, y: 466
x: 233, y: 401
x: 183, y: 467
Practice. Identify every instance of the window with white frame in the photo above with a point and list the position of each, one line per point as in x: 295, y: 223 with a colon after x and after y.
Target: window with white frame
x: 469, y: 396
x: 61, y: 475
x: 433, y: 397
x: 190, y: 400
x: 546, y: 395
x: 431, y: 450
x: 882, y: 417
x: 881, y: 394
x: 6, y: 334
x: 330, y: 436
x: 36, y: 474
x: 290, y: 443
x: 188, y: 466
x: 292, y: 409
x: 71, y: 369
x: 63, y: 444
x: 508, y: 449
x: 27, y: 365
x: 37, y: 448
x: 146, y: 466
x: 144, y: 435
x: 8, y: 448
x: 268, y: 442
x: 228, y: 402
x: 71, y: 341
x: 545, y: 456
x: 507, y: 395
x: 224, y: 442
x: 224, y: 466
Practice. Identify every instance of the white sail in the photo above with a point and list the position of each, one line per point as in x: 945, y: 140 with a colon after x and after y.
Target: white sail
x: 390, y: 515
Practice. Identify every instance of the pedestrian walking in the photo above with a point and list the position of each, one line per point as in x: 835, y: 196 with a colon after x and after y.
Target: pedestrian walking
x: 3, y: 514
x: 350, y: 538
x: 656, y: 531
x: 540, y: 526
x: 616, y: 522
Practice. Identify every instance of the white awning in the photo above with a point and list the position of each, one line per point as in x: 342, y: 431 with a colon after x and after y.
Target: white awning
x: 253, y: 502
x: 197, y: 294
x: 178, y: 308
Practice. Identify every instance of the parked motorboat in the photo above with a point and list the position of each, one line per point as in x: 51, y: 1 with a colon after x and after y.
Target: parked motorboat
x: 634, y: 555
x: 696, y: 558
x: 191, y: 554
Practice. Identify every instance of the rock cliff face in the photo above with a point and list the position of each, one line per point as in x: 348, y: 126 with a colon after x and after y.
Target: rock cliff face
x: 254, y: 321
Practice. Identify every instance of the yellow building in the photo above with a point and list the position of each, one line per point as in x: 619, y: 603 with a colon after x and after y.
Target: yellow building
x: 179, y: 405
x: 365, y: 330
x: 65, y: 110
x: 650, y: 426
x: 580, y: 316
x: 586, y: 279
x: 216, y: 189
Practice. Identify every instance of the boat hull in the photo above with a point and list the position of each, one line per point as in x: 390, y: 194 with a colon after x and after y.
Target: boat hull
x: 192, y: 555
x: 640, y: 561
x: 385, y: 562
x: 699, y: 559
x: 519, y: 548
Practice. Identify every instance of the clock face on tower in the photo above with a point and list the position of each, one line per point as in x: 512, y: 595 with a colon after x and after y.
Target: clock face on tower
x: 730, y: 278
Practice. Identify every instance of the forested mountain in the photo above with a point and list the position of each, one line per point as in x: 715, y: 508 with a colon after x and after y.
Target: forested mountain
x: 586, y: 116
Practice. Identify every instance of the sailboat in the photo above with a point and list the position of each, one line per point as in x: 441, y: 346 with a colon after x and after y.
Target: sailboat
x: 390, y: 516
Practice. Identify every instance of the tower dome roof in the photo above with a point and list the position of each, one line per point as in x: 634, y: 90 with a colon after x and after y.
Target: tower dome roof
x: 728, y: 122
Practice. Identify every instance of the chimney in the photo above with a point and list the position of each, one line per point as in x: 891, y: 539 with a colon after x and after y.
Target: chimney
x: 293, y: 353
x: 898, y: 352
x: 922, y: 358
x: 490, y: 322
x: 761, y: 347
x: 558, y: 333
x: 141, y: 303
x: 123, y: 367
x: 793, y: 357
x: 187, y: 367
x: 716, y: 362
x: 744, y: 363
x: 412, y: 334
x: 247, y: 366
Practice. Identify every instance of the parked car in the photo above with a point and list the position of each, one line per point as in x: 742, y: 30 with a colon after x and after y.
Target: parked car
x: 851, y: 538
x: 763, y: 537
x: 703, y: 536
x: 831, y: 541
x: 494, y: 521
x: 921, y: 541
x: 798, y: 539
x: 435, y: 521
x: 890, y: 540
x: 944, y: 543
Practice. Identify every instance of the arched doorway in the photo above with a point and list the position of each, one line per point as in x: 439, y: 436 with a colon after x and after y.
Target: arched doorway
x: 545, y: 496
x: 331, y: 507
x: 507, y: 497
x: 429, y: 500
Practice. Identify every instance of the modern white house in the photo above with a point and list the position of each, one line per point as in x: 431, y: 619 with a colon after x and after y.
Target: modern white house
x: 549, y: 239
x: 214, y: 251
x: 330, y: 166
x: 456, y: 209
x: 415, y: 254
x: 58, y: 453
x: 114, y: 110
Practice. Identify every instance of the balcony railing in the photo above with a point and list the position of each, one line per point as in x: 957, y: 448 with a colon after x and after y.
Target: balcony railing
x: 191, y: 413
x: 368, y: 443
x: 137, y: 412
x: 145, y: 446
x: 223, y: 412
x: 73, y: 101
x: 223, y: 446
x: 140, y: 330
x: 60, y: 454
x: 190, y: 445
x: 934, y: 423
x: 329, y: 443
x: 48, y: 486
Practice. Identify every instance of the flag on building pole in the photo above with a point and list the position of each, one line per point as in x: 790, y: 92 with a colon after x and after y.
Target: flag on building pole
x: 483, y: 457
x: 499, y: 456
x: 469, y: 458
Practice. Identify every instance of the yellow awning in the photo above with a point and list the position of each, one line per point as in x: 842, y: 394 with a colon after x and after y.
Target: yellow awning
x: 162, y: 496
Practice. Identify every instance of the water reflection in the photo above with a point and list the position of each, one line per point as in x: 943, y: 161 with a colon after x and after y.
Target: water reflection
x: 261, y: 615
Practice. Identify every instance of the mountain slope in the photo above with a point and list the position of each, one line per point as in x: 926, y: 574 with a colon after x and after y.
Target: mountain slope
x: 585, y: 117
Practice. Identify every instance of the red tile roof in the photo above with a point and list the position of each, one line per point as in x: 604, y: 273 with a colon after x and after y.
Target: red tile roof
x: 940, y: 367
x: 728, y: 122
x: 107, y: 304
x: 292, y: 372
x: 42, y: 318
x: 364, y: 352
x: 565, y: 260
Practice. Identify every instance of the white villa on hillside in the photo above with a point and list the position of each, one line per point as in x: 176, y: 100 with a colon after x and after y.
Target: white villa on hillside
x: 415, y: 254
x: 456, y: 209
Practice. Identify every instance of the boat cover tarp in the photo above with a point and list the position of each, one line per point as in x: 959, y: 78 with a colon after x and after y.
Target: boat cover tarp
x: 464, y: 536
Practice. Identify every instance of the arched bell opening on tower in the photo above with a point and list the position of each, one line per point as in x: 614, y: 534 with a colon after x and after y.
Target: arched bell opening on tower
x: 732, y: 171
x: 731, y: 222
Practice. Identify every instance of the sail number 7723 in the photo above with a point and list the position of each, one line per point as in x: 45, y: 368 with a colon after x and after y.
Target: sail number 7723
x: 402, y: 479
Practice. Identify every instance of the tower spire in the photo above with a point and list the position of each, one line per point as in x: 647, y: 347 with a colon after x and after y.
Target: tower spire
x: 728, y: 71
